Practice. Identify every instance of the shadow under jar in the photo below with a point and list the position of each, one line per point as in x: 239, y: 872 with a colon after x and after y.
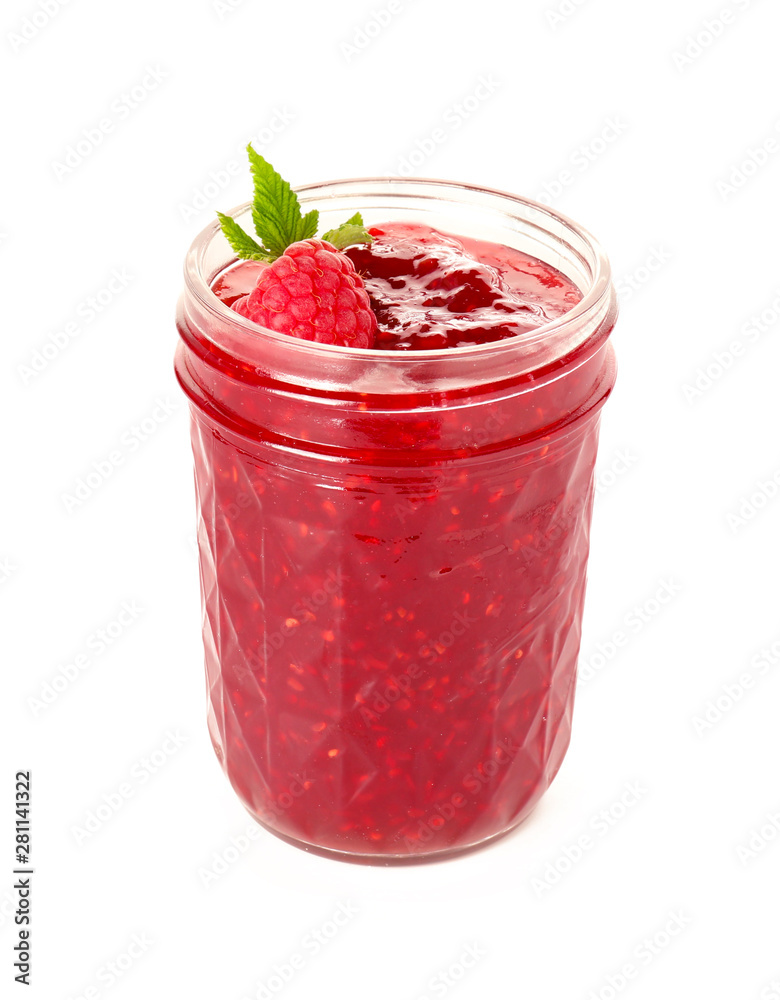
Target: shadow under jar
x: 393, y: 546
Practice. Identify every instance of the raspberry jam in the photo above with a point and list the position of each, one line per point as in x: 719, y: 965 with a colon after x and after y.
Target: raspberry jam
x: 431, y: 290
x: 393, y: 555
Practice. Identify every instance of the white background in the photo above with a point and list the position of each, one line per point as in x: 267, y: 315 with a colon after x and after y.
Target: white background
x: 692, y: 868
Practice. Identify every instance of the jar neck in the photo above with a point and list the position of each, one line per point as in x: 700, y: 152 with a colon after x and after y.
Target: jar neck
x: 241, y: 348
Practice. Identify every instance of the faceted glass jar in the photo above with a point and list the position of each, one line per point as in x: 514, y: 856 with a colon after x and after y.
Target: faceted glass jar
x: 393, y: 546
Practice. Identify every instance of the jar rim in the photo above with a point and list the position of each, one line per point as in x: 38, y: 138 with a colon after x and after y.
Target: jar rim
x: 572, y: 328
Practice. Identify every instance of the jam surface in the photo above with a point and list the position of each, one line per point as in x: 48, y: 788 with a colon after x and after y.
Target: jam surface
x: 431, y: 290
x: 391, y: 645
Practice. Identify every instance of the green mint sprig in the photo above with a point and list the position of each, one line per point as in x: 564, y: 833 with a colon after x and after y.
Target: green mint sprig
x: 278, y: 220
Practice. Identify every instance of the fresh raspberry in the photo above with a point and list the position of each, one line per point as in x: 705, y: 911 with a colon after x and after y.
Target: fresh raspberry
x: 313, y: 292
x: 239, y: 306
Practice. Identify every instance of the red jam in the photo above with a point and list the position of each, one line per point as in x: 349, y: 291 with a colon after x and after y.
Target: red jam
x: 393, y: 596
x: 430, y: 290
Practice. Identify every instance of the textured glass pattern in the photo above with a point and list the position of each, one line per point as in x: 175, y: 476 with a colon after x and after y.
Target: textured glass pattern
x: 391, y: 651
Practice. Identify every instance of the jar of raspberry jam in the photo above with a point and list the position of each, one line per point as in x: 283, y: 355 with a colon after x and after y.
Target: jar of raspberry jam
x: 393, y: 541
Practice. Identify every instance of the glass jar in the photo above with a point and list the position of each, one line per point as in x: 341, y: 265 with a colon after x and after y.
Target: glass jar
x: 393, y: 546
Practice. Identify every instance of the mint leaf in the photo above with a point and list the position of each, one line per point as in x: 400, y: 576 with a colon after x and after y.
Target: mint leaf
x: 277, y: 218
x: 348, y: 233
x: 241, y: 242
x: 276, y: 212
x: 308, y: 225
x: 346, y: 236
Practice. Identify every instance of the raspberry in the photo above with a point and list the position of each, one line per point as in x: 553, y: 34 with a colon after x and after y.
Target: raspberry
x: 313, y: 292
